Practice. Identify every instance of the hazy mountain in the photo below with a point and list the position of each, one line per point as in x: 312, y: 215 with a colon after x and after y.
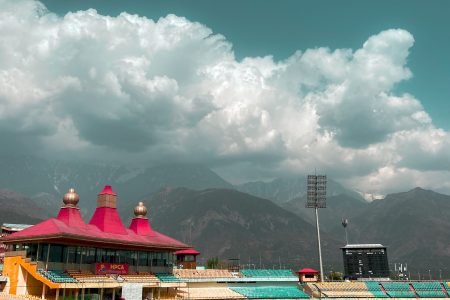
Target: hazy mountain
x: 15, y: 208
x: 176, y: 175
x: 231, y: 224
x: 415, y: 227
x: 47, y: 181
x: 282, y: 190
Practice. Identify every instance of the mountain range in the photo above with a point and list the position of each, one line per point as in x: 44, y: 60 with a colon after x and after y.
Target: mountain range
x: 272, y: 226
x: 231, y: 224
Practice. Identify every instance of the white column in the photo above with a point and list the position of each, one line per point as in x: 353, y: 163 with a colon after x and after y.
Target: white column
x: 43, y: 291
x: 57, y: 294
x: 48, y: 255
x: 318, y: 242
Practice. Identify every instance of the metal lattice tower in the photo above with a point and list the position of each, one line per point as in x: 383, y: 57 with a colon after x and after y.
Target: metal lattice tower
x: 317, y: 198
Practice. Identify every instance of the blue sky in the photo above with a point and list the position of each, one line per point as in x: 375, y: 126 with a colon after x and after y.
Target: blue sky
x: 279, y: 28
x: 253, y: 89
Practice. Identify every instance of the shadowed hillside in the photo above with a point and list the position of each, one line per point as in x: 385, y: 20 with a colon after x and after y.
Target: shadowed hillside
x: 15, y: 208
x: 415, y: 227
x: 231, y: 224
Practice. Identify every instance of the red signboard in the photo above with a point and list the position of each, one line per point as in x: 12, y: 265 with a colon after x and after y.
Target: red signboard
x: 108, y: 268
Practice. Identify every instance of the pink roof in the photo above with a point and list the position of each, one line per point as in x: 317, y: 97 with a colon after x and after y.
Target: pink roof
x: 307, y: 271
x: 107, y: 220
x: 105, y: 227
x: 56, y: 228
x: 191, y: 251
x: 71, y: 216
x: 141, y: 226
x: 107, y: 190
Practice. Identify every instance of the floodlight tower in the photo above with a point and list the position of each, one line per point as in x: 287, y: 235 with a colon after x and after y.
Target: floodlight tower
x: 317, y: 198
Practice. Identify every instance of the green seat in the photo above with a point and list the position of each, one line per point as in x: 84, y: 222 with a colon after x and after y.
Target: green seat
x: 375, y: 288
x: 166, y: 277
x: 271, y: 292
x: 282, y: 273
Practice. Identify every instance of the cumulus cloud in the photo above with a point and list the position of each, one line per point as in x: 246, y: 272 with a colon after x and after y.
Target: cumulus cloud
x: 129, y: 88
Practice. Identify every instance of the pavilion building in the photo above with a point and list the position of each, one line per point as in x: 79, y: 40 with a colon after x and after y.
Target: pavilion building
x: 66, y: 255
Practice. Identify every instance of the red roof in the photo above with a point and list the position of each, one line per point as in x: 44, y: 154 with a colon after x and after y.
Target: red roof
x: 308, y: 271
x: 107, y: 220
x: 191, y: 251
x: 104, y: 227
x: 141, y: 226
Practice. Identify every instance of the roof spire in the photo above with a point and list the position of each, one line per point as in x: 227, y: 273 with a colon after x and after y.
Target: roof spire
x: 140, y: 224
x: 71, y: 198
x: 140, y: 211
x: 107, y: 197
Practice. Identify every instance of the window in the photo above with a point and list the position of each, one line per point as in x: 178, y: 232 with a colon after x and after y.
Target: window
x: 56, y: 253
x: 143, y: 259
x: 72, y: 255
x: 90, y: 256
x: 101, y: 255
x: 189, y: 258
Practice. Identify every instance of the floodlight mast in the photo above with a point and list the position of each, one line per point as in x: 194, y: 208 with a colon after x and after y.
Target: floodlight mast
x: 316, y: 198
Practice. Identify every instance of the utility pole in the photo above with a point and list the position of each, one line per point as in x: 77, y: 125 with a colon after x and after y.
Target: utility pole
x: 345, y: 224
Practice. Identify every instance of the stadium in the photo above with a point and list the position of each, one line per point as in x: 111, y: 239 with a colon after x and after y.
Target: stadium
x: 66, y: 258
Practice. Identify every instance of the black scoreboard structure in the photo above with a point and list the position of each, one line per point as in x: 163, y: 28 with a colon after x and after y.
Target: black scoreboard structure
x: 365, y: 261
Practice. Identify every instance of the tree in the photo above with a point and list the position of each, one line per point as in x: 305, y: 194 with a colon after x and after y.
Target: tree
x: 333, y: 275
x: 212, y: 263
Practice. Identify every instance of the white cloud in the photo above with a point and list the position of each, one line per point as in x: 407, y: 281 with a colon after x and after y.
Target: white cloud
x: 127, y: 87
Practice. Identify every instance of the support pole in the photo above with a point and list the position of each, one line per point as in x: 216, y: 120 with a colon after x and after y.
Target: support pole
x: 81, y: 258
x: 48, y: 256
x: 57, y: 294
x: 37, y: 252
x: 318, y: 242
x: 26, y: 283
x: 43, y: 291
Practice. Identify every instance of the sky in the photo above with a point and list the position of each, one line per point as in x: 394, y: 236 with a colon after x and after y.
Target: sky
x: 253, y: 89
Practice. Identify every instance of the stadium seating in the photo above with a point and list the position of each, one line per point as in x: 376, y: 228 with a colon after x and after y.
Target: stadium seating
x: 208, y: 273
x: 18, y: 297
x: 375, y: 288
x: 344, y: 289
x: 208, y: 293
x: 429, y: 289
x: 398, y: 289
x: 267, y: 273
x: 57, y: 276
x: 446, y: 286
x: 140, y: 278
x: 166, y: 277
x: 271, y: 292
x: 89, y: 277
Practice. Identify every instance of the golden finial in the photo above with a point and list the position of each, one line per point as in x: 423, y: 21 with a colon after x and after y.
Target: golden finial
x: 71, y: 198
x: 140, y: 211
